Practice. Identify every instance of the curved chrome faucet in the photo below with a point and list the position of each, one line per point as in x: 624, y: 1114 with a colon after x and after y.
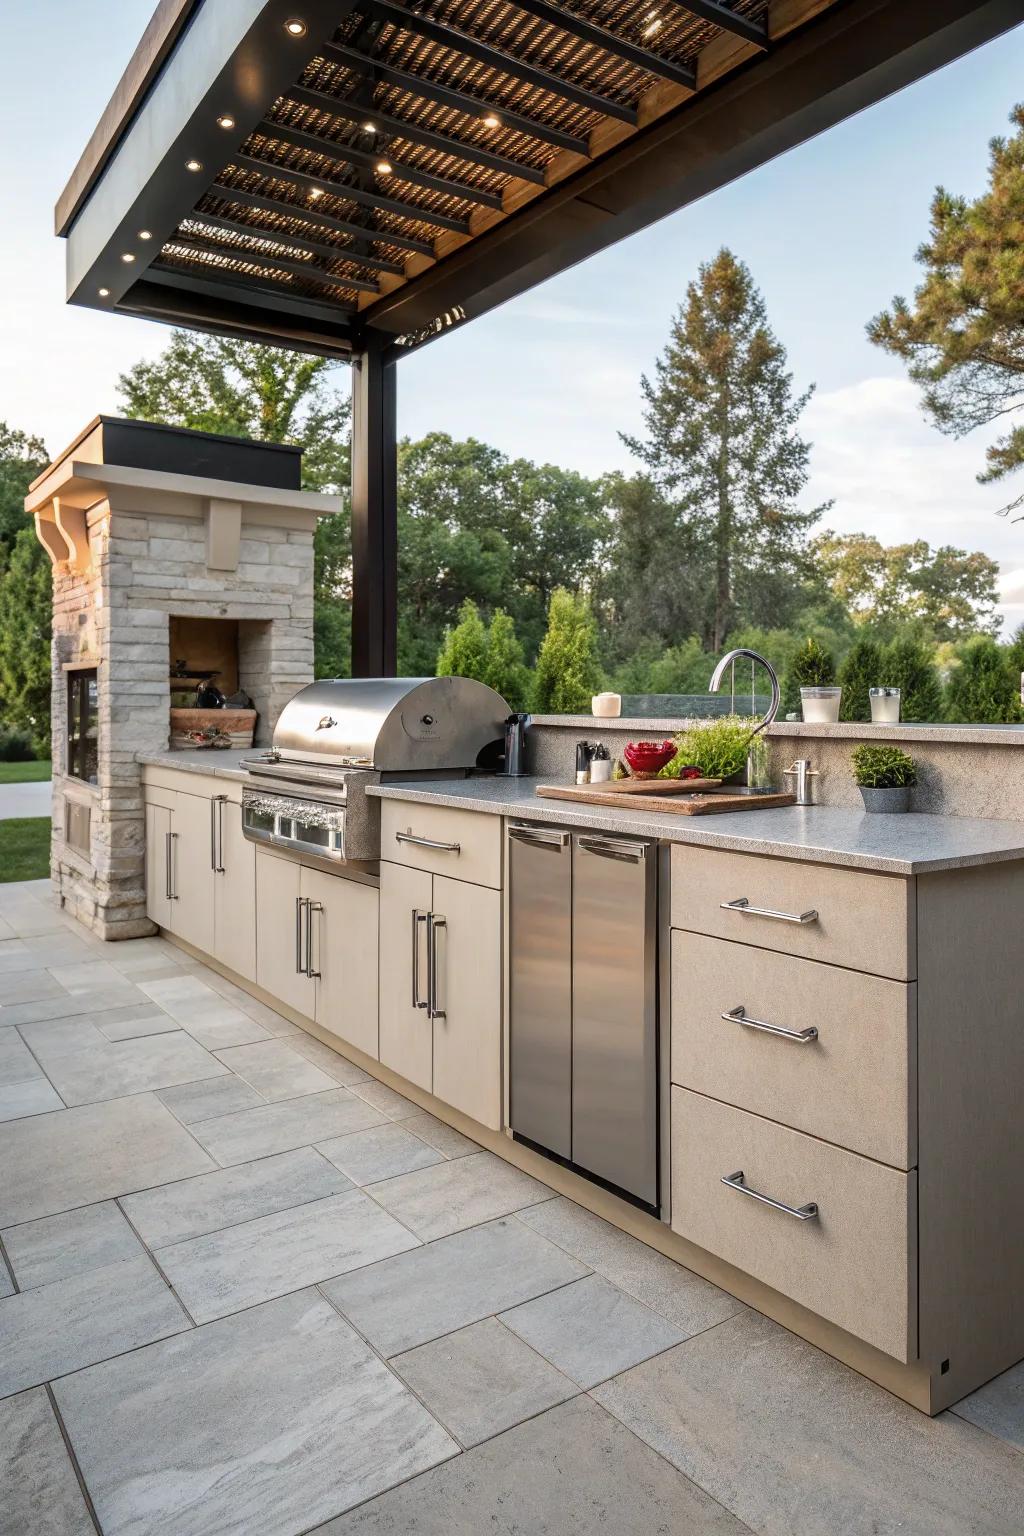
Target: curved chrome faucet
x: 719, y: 673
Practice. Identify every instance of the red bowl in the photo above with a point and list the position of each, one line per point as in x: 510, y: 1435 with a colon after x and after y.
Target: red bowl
x: 648, y: 757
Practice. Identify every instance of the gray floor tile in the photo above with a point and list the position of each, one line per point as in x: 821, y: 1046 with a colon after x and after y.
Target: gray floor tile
x: 65, y: 1006
x: 261, y: 1424
x: 275, y: 1070
x: 36, y: 1097
x: 395, y: 1105
x: 71, y: 1243
x: 337, y: 1066
x: 6, y: 1283
x: 685, y: 1299
x: 591, y: 1330
x: 998, y: 1407
x: 797, y: 1444
x: 257, y: 1260
x: 239, y: 1138
x: 62, y: 1327
x: 149, y: 1020
x: 17, y: 1063
x: 41, y: 1496
x: 85, y: 977
x: 28, y: 987
x: 571, y: 1472
x: 135, y: 954
x: 192, y: 1207
x: 52, y: 1038
x: 34, y: 954
x: 203, y: 1012
x: 273, y: 1023
x: 482, y: 1380
x: 382, y: 1152
x: 131, y: 1066
x: 458, y: 1280
x: 56, y: 1162
x: 453, y: 1195
x: 447, y: 1140
x: 212, y: 1096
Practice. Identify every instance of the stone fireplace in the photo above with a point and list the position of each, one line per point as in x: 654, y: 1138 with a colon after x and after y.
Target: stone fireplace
x: 163, y: 542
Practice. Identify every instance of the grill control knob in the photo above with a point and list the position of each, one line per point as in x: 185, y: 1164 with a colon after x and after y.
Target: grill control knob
x: 427, y: 720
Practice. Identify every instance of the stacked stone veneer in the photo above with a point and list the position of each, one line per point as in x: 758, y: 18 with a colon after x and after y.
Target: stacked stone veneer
x: 142, y: 553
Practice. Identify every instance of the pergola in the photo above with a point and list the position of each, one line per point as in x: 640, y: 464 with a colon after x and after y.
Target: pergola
x: 356, y: 177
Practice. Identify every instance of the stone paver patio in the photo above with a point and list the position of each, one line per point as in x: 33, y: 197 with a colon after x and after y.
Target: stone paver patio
x: 247, y: 1290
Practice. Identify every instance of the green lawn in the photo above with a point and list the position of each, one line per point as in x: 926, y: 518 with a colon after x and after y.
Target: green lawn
x: 24, y: 773
x: 24, y: 848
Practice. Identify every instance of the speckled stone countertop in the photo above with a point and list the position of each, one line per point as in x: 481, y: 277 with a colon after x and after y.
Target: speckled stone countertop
x: 220, y: 764
x: 895, y: 845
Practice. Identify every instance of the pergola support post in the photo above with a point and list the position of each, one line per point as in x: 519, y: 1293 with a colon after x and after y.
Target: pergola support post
x: 374, y: 514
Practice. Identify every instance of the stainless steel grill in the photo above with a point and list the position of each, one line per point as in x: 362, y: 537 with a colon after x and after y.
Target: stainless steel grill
x: 336, y: 737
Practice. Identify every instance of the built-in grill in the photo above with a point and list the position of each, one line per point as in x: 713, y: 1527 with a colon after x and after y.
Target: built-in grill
x: 336, y: 737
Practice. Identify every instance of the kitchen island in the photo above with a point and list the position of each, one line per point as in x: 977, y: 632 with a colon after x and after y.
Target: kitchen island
x: 838, y: 1033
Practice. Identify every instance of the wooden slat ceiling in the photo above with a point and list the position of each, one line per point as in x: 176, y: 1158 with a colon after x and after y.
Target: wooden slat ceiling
x: 420, y: 124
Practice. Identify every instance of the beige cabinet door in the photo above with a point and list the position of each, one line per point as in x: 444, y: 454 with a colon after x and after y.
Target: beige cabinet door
x: 158, y: 832
x: 343, y: 924
x: 234, y: 892
x: 466, y: 992
x: 406, y: 1038
x: 192, y: 865
x: 281, y: 933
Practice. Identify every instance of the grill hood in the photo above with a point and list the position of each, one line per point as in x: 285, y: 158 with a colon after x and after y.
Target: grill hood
x: 391, y: 724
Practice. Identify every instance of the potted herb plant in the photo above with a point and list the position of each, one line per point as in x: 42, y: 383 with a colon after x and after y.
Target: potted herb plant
x: 885, y: 776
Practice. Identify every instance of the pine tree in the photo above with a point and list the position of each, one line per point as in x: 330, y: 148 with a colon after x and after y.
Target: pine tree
x: 812, y: 667
x: 722, y: 445
x: 861, y: 670
x: 907, y: 665
x: 464, y: 649
x: 961, y: 336
x: 504, y: 667
x: 25, y: 628
x: 568, y: 674
x: 980, y: 689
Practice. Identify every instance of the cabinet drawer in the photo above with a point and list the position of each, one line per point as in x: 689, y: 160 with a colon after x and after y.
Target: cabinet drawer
x: 851, y: 918
x: 854, y: 1263
x: 852, y: 1083
x: 470, y: 841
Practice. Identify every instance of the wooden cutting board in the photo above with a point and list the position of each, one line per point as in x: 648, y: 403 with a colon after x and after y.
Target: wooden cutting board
x: 682, y: 805
x: 638, y: 787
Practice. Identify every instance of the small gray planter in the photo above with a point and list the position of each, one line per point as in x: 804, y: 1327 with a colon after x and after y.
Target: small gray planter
x: 886, y: 801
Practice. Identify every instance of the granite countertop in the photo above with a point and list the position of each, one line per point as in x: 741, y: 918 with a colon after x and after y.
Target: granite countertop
x: 910, y: 844
x: 221, y: 764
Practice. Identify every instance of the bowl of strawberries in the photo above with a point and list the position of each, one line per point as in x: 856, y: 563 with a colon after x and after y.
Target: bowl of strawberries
x: 646, y: 759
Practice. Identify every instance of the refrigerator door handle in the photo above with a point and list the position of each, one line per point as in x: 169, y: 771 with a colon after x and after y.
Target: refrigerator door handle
x: 613, y: 848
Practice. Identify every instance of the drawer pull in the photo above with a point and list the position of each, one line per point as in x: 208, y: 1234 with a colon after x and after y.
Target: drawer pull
x: 799, y: 1036
x: 741, y: 904
x: 427, y: 842
x: 801, y: 1212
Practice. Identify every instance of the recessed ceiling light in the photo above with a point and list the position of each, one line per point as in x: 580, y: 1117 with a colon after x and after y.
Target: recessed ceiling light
x: 369, y: 127
x: 193, y: 165
x: 384, y: 167
x: 295, y: 28
x: 654, y: 24
x: 104, y: 293
x: 128, y: 256
x: 225, y: 120
x: 145, y: 234
x: 314, y: 193
x: 492, y: 120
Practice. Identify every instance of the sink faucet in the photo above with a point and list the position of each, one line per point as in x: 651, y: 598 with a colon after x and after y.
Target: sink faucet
x: 719, y: 673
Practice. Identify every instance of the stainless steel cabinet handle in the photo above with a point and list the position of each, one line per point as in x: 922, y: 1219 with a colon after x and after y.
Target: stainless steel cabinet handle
x: 800, y: 1036
x: 540, y: 838
x: 630, y: 853
x: 299, y: 903
x: 434, y: 924
x: 217, y: 805
x: 427, y: 842
x: 807, y: 1212
x: 741, y: 904
x: 169, y: 865
x: 417, y: 919
x: 311, y: 907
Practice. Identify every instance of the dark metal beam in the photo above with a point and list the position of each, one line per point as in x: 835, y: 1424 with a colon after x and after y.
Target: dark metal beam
x: 267, y: 265
x: 610, y: 42
x: 374, y: 516
x: 289, y: 263
x: 444, y: 96
x: 722, y: 16
x: 258, y: 297
x: 400, y: 127
x: 216, y: 310
x: 351, y: 154
x: 263, y: 231
x: 364, y: 232
x: 497, y: 58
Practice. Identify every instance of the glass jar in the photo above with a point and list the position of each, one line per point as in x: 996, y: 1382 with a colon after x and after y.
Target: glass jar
x: 885, y: 706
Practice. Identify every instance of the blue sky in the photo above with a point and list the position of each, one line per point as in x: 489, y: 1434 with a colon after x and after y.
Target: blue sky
x: 829, y: 231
